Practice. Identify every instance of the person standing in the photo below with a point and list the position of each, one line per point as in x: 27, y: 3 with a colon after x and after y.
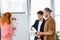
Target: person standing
x: 39, y: 25
x: 6, y: 26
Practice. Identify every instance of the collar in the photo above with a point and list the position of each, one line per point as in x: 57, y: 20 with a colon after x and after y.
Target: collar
x: 48, y: 18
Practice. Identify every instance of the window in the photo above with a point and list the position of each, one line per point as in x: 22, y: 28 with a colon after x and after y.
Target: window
x: 14, y: 5
x: 57, y: 14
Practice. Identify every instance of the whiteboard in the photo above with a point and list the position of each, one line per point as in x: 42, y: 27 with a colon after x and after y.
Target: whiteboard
x: 21, y: 32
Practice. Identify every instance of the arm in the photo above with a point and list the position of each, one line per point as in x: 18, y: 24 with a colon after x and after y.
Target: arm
x: 10, y: 31
x: 33, y: 26
x: 51, y: 28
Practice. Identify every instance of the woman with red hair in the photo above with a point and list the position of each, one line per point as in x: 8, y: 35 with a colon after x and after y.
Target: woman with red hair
x: 6, y: 26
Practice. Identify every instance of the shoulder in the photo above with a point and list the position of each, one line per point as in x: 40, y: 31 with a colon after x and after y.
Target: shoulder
x: 36, y: 20
x: 52, y: 20
x: 5, y: 24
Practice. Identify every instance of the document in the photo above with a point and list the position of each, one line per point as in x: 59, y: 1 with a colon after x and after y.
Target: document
x: 34, y: 30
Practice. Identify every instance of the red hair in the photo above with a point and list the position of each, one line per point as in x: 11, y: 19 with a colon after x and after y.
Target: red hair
x: 6, y: 18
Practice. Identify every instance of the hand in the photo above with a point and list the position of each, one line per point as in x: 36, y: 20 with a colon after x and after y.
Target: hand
x: 39, y: 33
x: 35, y: 35
x: 14, y: 28
x: 13, y: 18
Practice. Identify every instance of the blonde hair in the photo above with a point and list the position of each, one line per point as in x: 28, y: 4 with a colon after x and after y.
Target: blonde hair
x: 6, y: 18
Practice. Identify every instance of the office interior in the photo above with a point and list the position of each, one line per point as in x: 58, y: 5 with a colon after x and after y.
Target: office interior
x: 25, y: 13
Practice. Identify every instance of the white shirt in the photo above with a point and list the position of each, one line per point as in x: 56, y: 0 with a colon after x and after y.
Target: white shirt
x: 40, y: 22
x: 45, y: 18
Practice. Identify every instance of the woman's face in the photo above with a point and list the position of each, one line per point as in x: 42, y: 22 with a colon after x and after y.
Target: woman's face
x: 11, y: 18
x: 40, y: 17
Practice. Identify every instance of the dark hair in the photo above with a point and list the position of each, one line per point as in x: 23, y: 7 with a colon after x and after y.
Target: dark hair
x: 47, y: 9
x: 40, y: 12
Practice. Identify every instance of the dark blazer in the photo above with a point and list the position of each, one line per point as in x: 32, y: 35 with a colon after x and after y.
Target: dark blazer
x: 41, y: 28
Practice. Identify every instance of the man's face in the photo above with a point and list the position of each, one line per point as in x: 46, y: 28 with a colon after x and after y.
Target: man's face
x: 40, y: 17
x: 45, y: 13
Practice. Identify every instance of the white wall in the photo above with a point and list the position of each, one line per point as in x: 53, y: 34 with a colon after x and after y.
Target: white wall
x: 3, y: 6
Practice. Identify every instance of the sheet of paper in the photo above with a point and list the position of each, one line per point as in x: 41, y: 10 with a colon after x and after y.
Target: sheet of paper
x: 34, y: 30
